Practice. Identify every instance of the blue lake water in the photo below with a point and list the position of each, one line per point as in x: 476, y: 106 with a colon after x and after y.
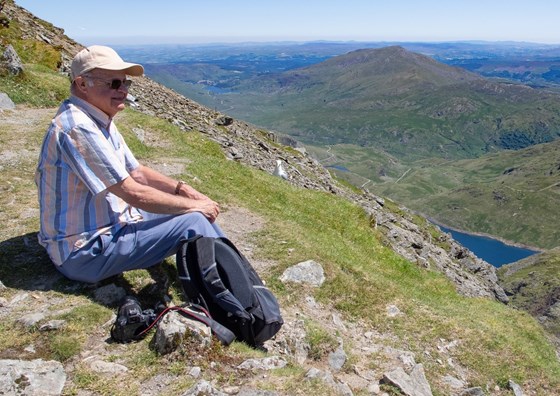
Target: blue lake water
x: 490, y: 250
x: 339, y: 167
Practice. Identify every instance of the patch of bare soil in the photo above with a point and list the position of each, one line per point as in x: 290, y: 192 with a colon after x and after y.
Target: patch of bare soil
x: 21, y: 131
x: 238, y: 225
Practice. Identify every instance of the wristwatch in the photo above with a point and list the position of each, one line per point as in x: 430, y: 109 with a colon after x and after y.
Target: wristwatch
x: 178, y: 188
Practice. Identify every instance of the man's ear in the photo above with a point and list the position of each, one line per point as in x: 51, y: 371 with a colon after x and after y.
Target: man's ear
x: 82, y: 84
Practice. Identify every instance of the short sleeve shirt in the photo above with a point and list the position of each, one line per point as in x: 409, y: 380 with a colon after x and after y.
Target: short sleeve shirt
x: 82, y: 155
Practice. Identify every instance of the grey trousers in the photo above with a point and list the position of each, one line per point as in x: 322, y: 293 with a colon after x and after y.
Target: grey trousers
x: 135, y: 246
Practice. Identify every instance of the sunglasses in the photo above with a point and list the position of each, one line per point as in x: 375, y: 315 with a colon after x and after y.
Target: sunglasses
x: 113, y: 84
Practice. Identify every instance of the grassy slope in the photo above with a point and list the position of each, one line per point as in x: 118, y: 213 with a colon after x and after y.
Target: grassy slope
x: 513, y: 194
x: 363, y: 276
x: 534, y: 286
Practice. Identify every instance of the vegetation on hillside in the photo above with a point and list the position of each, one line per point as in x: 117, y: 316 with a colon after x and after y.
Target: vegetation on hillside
x: 363, y: 277
x: 513, y: 194
x: 406, y: 104
x: 534, y: 286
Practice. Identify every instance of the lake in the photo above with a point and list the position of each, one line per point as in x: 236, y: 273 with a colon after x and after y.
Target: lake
x: 490, y: 250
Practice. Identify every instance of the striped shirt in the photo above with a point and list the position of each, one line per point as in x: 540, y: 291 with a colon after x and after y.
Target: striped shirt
x: 82, y: 155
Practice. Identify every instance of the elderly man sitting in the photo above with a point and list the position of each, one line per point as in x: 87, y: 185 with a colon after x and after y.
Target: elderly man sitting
x: 102, y: 212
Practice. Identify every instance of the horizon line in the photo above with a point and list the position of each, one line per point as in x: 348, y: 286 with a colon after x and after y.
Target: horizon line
x: 179, y: 40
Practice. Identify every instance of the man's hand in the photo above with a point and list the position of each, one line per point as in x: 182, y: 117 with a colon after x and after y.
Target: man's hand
x: 207, y: 207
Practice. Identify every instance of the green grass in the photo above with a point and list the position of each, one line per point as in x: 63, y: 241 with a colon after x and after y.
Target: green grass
x: 511, y: 195
x: 37, y: 86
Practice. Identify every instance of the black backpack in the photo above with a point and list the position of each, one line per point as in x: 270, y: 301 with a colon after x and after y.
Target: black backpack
x: 216, y: 276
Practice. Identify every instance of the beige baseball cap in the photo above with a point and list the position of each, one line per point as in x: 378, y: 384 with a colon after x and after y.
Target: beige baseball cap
x: 101, y: 57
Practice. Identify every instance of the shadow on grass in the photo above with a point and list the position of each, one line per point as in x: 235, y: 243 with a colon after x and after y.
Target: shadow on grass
x: 25, y: 265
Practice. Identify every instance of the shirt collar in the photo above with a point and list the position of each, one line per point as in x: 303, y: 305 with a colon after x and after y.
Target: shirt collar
x: 99, y: 116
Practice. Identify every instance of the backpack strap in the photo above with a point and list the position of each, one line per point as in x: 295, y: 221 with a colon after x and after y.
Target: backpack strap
x: 232, y: 267
x: 212, y: 279
x: 187, y: 279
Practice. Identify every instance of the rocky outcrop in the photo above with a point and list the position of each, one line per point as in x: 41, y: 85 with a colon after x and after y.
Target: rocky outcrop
x: 10, y: 61
x: 33, y: 28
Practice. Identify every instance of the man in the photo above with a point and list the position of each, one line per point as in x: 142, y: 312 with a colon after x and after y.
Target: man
x: 102, y: 212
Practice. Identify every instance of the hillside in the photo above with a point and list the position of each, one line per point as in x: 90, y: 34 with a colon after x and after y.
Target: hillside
x: 406, y: 104
x: 534, y: 286
x: 403, y: 306
x: 396, y: 113
x: 512, y: 194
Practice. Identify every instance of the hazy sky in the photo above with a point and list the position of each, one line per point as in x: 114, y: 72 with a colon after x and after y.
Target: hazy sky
x: 187, y: 21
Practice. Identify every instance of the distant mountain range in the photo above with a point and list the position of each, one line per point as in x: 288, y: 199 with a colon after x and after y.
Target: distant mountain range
x: 382, y: 115
x: 407, y: 104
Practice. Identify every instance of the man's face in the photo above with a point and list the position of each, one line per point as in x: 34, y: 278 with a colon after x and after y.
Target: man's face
x: 99, y: 93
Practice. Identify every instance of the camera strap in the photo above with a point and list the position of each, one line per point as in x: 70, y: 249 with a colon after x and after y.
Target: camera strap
x: 222, y: 333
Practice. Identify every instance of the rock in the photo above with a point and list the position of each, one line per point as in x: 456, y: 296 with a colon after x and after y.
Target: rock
x: 224, y: 121
x: 35, y: 377
x: 337, y: 358
x: 476, y: 391
x: 279, y: 171
x: 325, y: 376
x: 203, y: 388
x: 413, y: 384
x: 341, y: 388
x: 517, y: 391
x: 344, y: 389
x: 11, y: 61
x: 308, y: 272
x: 140, y: 134
x: 18, y: 298
x: 100, y: 366
x: 32, y: 319
x: 109, y: 295
x: 52, y: 325
x: 173, y: 329
x: 6, y: 103
x: 392, y: 311
x: 267, y: 363
x: 453, y: 382
x: 195, y: 372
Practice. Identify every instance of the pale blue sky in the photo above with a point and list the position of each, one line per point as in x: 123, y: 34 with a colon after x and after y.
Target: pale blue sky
x: 143, y: 21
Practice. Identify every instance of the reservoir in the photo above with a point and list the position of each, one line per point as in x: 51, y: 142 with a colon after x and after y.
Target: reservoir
x: 488, y: 249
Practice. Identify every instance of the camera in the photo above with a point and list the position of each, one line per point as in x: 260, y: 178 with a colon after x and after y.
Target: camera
x: 131, y: 320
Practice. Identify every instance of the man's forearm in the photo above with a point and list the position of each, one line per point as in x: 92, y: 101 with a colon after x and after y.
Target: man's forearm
x: 153, y: 200
x: 150, y: 177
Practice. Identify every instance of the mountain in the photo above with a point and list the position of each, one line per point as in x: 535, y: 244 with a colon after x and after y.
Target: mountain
x: 406, y: 104
x: 402, y: 305
x: 511, y: 194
